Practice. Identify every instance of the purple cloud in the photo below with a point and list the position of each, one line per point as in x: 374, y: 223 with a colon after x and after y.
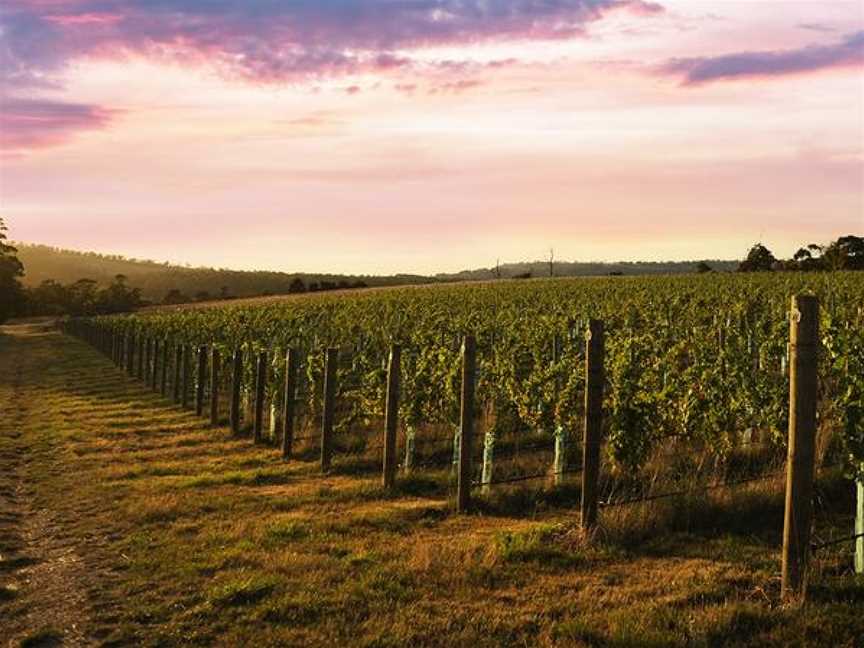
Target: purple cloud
x: 695, y: 71
x: 37, y: 123
x: 275, y: 40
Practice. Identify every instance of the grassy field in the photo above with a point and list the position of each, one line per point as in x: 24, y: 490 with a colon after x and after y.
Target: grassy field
x: 127, y: 522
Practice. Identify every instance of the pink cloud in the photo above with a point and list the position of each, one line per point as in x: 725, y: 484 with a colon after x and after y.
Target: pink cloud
x: 38, y: 123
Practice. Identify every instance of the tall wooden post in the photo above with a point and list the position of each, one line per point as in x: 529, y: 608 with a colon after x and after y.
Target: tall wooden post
x: 594, y: 379
x: 328, y: 416
x: 236, y: 386
x: 859, y: 527
x: 288, y: 404
x: 148, y: 353
x: 800, y: 464
x: 260, y: 384
x: 139, y: 371
x: 178, y: 363
x: 466, y: 425
x: 130, y: 354
x: 391, y: 416
x: 200, y: 380
x: 154, y: 367
x: 215, y: 368
x: 163, y: 373
x: 186, y: 378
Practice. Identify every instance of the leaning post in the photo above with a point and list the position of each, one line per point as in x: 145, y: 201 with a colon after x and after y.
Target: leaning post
x: 466, y: 425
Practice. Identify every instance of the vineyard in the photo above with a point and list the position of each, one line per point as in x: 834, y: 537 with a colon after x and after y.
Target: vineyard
x: 695, y: 380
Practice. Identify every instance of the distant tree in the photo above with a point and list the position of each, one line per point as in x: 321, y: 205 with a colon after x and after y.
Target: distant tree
x: 759, y: 259
x: 118, y: 297
x: 359, y: 284
x: 522, y: 275
x: 846, y: 253
x: 297, y: 286
x: 224, y: 293
x: 314, y: 287
x: 498, y: 269
x: 703, y: 268
x: 202, y: 295
x: 11, y: 269
x: 174, y: 296
x: 82, y: 297
x: 551, y: 262
x: 616, y: 273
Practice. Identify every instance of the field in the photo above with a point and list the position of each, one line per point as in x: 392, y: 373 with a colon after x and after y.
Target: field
x: 128, y: 520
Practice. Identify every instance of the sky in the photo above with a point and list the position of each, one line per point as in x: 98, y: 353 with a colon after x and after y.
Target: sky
x: 385, y: 136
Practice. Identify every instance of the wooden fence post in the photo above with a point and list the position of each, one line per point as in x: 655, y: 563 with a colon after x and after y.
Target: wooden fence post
x: 186, y: 378
x: 200, y: 380
x: 236, y: 385
x: 163, y: 373
x: 130, y: 354
x: 154, y: 368
x: 288, y: 405
x: 859, y: 527
x: 215, y: 368
x: 148, y: 351
x: 800, y: 463
x: 139, y: 356
x: 466, y: 425
x: 178, y: 363
x: 594, y: 379
x: 328, y: 415
x: 260, y: 384
x: 391, y: 414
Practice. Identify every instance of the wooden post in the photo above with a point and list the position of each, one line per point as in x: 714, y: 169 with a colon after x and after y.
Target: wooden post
x: 236, y: 385
x: 288, y: 404
x: 466, y: 426
x: 185, y: 378
x: 859, y: 528
x: 594, y: 379
x: 163, y: 374
x: 215, y: 368
x: 327, y: 419
x: 178, y: 362
x: 148, y: 352
x: 154, y: 367
x: 139, y: 371
x: 391, y: 416
x: 130, y: 354
x: 260, y: 384
x: 200, y: 380
x: 800, y: 464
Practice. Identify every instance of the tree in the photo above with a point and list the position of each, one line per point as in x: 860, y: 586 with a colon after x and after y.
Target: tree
x: 846, y: 253
x: 297, y: 286
x: 703, y: 267
x: 759, y: 259
x: 174, y: 296
x: 11, y: 292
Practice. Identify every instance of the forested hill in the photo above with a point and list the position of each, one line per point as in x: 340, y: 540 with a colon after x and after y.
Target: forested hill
x: 586, y: 269
x: 156, y: 280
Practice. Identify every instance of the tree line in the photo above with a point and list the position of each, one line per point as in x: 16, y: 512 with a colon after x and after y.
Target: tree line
x: 86, y: 297
x: 846, y: 253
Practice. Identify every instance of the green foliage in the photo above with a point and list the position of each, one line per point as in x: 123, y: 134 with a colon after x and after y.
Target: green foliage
x: 11, y: 269
x: 700, y: 358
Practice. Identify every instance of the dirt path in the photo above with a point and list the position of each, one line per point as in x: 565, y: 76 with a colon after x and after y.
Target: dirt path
x: 43, y: 578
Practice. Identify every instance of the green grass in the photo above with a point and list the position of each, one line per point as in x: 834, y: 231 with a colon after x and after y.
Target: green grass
x: 192, y: 537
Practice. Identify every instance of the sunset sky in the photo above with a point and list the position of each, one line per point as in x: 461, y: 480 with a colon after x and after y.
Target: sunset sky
x: 385, y: 136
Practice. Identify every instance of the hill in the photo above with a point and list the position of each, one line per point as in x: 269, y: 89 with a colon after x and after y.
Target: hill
x: 156, y: 280
x: 585, y: 269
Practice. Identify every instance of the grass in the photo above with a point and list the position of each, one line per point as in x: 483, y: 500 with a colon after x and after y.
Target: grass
x: 191, y: 537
